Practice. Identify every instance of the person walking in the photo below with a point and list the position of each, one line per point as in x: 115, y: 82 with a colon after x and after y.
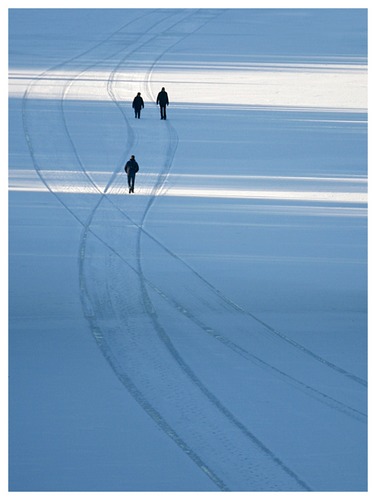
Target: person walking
x: 162, y: 100
x: 131, y: 168
x: 138, y: 104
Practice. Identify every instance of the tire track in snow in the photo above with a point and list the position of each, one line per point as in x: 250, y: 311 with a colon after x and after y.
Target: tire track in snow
x: 90, y: 309
x: 190, y: 373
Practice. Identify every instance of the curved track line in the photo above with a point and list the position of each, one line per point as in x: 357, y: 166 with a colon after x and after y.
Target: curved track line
x: 100, y: 337
x: 183, y: 365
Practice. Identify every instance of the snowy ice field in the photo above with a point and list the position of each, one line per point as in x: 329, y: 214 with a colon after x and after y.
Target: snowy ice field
x: 209, y: 332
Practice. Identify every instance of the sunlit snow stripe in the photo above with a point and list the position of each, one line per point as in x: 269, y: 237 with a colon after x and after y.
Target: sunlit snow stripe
x: 324, y: 196
x: 293, y: 85
x: 269, y: 195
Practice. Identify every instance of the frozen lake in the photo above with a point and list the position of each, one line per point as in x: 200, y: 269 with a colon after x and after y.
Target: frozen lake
x: 209, y: 331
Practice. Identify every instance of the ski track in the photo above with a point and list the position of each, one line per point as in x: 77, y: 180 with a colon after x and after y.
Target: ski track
x: 94, y: 303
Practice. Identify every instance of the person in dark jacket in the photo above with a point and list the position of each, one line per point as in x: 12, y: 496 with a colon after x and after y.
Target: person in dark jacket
x: 138, y: 104
x: 131, y: 168
x: 162, y: 100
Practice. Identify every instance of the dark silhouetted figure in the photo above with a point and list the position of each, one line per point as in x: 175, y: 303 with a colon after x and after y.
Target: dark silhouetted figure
x: 131, y: 168
x: 138, y: 104
x: 162, y: 100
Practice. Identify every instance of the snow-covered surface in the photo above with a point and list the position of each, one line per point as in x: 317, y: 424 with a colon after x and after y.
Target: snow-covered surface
x: 208, y: 332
